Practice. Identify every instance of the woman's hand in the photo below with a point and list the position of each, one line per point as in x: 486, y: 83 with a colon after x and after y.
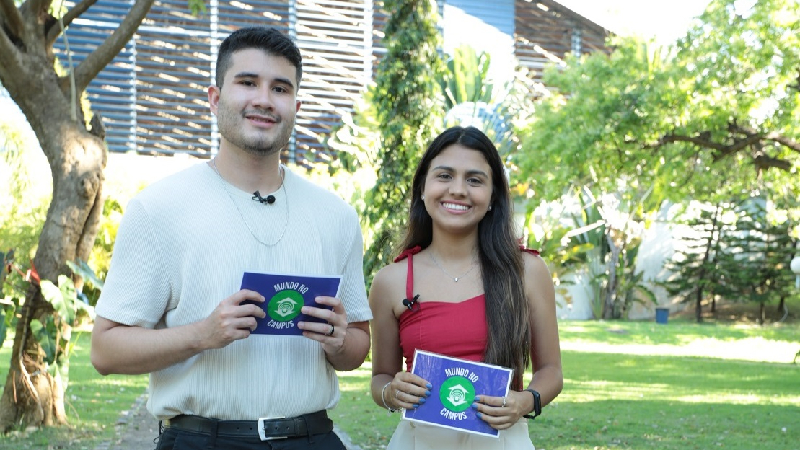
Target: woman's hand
x: 502, y: 412
x: 407, y: 391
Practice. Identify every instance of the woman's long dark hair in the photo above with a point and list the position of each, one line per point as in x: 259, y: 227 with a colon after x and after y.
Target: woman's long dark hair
x: 499, y: 253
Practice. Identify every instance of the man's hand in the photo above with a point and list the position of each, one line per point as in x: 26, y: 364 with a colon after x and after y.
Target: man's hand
x: 231, y: 320
x: 332, y: 332
x: 345, y: 344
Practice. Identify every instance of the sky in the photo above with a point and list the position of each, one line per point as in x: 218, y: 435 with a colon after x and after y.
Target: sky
x: 664, y: 20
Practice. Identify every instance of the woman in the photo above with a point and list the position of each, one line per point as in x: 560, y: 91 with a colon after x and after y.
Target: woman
x: 462, y: 287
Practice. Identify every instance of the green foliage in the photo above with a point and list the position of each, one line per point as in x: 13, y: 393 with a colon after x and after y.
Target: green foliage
x: 723, y: 104
x: 472, y: 99
x: 697, y: 271
x: 7, y: 302
x: 83, y: 270
x: 564, y: 256
x: 756, y: 256
x: 465, y: 79
x: 631, y: 287
x: 95, y: 270
x: 58, y: 345
x: 408, y: 113
x: 23, y: 205
x: 608, y: 231
x: 586, y: 131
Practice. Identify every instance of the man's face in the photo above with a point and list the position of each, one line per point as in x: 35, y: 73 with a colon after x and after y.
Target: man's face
x: 257, y: 103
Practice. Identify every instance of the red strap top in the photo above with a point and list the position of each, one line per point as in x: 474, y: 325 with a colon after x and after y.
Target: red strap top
x: 453, y: 329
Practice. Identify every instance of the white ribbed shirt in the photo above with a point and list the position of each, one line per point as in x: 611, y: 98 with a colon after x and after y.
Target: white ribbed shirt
x: 182, y: 247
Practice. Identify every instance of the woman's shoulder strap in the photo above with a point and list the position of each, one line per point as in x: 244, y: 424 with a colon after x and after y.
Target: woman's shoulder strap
x: 408, y: 253
x: 522, y: 248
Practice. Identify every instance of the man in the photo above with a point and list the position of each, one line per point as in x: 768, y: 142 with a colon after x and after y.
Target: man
x: 172, y: 304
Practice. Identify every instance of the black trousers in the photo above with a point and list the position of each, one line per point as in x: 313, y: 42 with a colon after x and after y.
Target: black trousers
x: 176, y: 439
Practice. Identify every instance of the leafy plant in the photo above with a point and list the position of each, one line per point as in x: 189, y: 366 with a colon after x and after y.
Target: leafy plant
x: 58, y: 345
x: 695, y: 265
x: 756, y: 256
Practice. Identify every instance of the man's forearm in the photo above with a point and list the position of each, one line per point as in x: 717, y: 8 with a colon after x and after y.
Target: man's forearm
x: 130, y: 350
x: 354, y: 350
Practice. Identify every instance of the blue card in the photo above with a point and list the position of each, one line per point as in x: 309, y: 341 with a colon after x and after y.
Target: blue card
x: 456, y: 383
x: 284, y: 296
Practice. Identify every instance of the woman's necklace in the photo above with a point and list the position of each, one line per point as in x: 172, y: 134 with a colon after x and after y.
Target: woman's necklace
x: 471, y: 266
x: 255, y: 236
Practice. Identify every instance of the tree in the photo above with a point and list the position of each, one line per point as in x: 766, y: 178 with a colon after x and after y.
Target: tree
x: 722, y: 105
x: 409, y: 111
x: 72, y: 139
x: 697, y: 270
x: 756, y: 257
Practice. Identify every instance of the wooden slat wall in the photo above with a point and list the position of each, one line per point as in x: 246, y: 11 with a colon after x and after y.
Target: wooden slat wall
x: 546, y: 32
x: 153, y: 96
x: 337, y: 54
x: 116, y: 84
x: 172, y: 74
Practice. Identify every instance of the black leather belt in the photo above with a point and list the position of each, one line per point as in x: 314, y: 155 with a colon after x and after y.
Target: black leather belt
x: 265, y: 429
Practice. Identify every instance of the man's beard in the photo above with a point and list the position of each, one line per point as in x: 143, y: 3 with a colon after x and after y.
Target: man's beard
x: 255, y: 145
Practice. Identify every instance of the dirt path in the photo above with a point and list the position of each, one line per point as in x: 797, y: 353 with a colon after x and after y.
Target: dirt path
x: 136, y: 429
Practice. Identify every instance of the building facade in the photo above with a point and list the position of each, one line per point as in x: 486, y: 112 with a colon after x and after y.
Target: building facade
x: 152, y: 97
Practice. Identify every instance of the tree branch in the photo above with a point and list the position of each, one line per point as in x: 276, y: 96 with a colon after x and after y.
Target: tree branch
x: 775, y: 137
x: 702, y: 140
x: 71, y: 15
x: 35, y: 10
x: 100, y: 57
x: 11, y: 20
x: 764, y: 162
x: 785, y: 141
x: 751, y: 138
x: 796, y: 85
x: 9, y: 54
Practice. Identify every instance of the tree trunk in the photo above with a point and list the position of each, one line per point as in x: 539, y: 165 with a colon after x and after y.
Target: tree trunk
x: 31, y: 395
x: 611, y: 287
x: 698, y: 306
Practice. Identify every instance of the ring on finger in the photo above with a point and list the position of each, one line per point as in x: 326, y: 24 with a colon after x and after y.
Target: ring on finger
x: 504, y: 402
x: 330, y: 333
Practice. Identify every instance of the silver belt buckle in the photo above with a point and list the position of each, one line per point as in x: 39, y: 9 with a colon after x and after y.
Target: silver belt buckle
x: 263, y: 435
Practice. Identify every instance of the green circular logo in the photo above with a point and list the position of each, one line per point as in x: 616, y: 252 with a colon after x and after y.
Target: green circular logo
x: 285, y: 305
x: 457, y: 394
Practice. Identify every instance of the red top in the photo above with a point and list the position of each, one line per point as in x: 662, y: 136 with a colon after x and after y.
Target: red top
x: 453, y: 329
x: 457, y: 329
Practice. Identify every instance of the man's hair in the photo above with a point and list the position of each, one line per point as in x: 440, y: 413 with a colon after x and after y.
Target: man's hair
x: 267, y: 39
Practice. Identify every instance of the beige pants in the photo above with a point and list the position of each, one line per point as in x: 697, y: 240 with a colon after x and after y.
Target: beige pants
x: 418, y: 436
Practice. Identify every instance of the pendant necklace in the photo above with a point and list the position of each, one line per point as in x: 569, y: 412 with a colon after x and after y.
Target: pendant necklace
x: 455, y: 279
x: 252, y: 233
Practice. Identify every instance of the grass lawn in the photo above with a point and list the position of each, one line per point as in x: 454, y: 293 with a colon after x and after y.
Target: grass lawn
x: 628, y: 385
x: 93, y: 404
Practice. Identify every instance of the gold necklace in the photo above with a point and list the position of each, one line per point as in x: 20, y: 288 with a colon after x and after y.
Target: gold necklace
x: 252, y: 233
x: 471, y: 266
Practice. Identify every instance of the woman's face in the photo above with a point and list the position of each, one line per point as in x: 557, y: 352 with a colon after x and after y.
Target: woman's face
x: 458, y: 189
